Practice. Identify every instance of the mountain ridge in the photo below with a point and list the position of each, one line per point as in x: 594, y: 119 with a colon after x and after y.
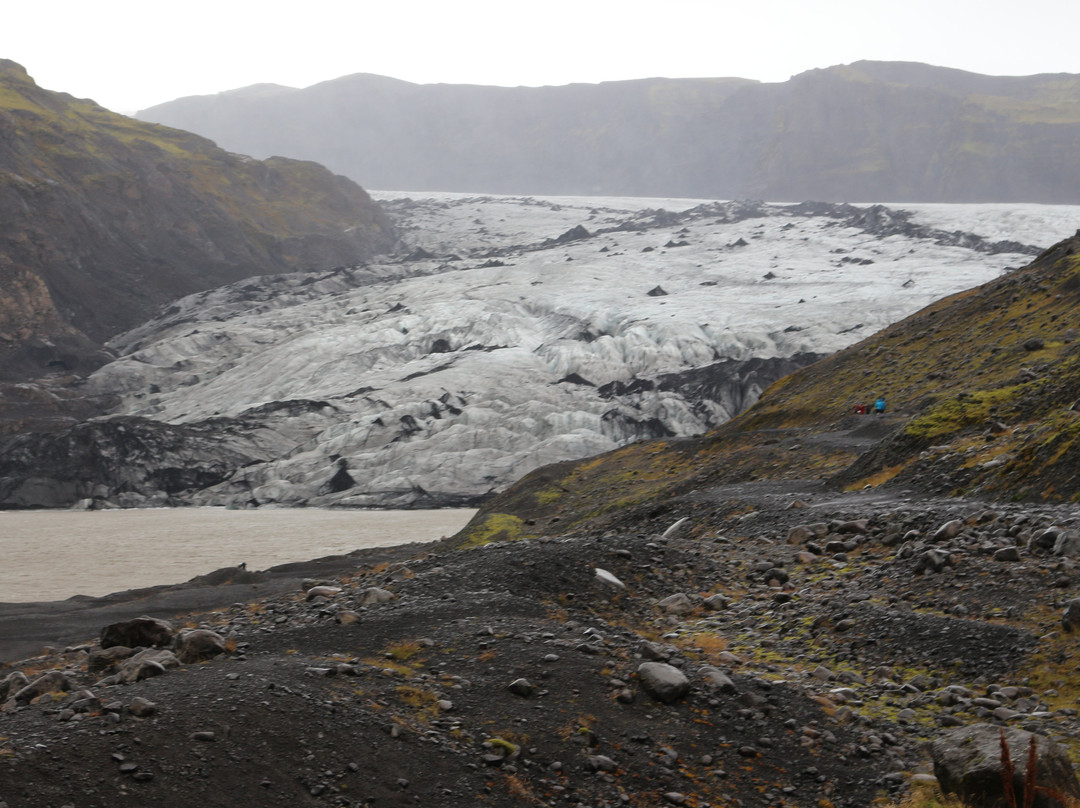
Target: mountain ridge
x: 103, y: 219
x: 869, y: 131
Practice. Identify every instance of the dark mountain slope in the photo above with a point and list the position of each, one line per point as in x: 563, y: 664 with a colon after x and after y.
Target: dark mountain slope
x: 104, y: 218
x: 585, y: 138
x: 982, y: 390
x: 868, y: 131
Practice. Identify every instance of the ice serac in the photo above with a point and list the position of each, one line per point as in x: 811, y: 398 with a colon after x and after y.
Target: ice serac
x: 104, y: 219
x: 490, y: 346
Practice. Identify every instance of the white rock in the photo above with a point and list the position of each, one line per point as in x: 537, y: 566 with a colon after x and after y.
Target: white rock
x: 605, y: 577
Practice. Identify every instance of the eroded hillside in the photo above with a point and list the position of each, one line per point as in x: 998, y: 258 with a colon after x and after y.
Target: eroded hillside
x: 104, y: 218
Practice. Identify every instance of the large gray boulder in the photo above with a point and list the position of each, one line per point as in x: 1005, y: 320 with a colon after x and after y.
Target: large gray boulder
x: 51, y: 682
x: 198, y: 645
x: 968, y: 763
x: 663, y: 682
x: 1067, y: 544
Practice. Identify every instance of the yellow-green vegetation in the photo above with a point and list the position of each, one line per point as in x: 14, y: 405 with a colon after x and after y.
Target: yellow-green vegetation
x: 494, y: 527
x: 403, y: 650
x: 926, y: 796
x: 420, y: 699
x: 80, y: 136
x: 959, y: 412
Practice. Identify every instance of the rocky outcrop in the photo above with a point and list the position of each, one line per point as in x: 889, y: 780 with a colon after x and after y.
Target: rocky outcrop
x: 104, y: 218
x: 970, y: 762
x: 124, y: 461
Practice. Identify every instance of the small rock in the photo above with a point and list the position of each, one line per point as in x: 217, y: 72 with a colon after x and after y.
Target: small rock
x: 606, y: 578
x: 521, y: 687
x: 677, y: 604
x: 373, y: 595
x: 600, y: 763
x: 141, y: 708
x: 323, y: 592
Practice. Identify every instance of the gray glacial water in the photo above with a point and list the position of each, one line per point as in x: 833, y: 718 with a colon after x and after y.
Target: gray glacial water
x: 52, y: 555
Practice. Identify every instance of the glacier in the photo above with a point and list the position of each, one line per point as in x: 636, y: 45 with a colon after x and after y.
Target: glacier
x: 513, y: 332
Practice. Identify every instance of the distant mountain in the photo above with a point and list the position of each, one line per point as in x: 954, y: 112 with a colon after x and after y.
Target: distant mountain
x: 870, y: 131
x: 104, y: 218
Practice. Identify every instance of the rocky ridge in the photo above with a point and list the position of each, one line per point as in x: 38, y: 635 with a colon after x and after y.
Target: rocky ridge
x: 781, y: 645
x: 103, y: 219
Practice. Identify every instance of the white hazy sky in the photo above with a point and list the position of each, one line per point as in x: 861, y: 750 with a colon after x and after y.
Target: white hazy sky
x: 131, y: 54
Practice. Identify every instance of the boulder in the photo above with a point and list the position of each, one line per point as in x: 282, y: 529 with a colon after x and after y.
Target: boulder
x: 51, y: 682
x: 12, y: 683
x: 323, y: 592
x: 521, y: 687
x: 677, y: 604
x: 717, y: 602
x: 1010, y: 553
x: 663, y: 682
x: 931, y: 561
x: 198, y: 645
x: 608, y: 579
x: 800, y: 534
x: 374, y: 594
x: 949, y: 530
x: 148, y: 663
x: 968, y: 763
x: 718, y: 680
x: 141, y: 708
x: 1044, y: 539
x: 141, y: 632
x: 346, y: 617
x: 107, y: 660
x: 1067, y: 544
x: 1070, y: 618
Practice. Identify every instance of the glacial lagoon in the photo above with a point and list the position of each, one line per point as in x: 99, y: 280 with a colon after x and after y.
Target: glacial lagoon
x: 53, y: 555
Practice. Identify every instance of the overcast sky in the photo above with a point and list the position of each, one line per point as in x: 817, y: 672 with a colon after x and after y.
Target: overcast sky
x: 131, y: 54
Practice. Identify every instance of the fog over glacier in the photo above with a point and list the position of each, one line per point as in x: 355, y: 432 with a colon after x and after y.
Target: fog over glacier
x: 512, y: 332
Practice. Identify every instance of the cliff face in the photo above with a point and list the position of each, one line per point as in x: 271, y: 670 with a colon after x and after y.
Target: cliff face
x: 871, y: 131
x: 104, y: 218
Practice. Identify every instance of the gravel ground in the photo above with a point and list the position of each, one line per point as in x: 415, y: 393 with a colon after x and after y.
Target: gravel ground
x: 824, y: 639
